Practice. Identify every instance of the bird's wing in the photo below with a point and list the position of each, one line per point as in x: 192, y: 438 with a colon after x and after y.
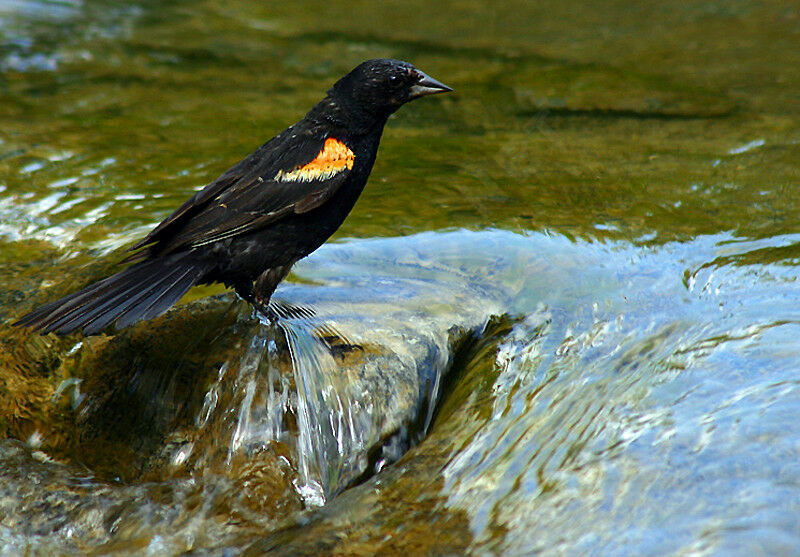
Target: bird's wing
x: 280, y: 178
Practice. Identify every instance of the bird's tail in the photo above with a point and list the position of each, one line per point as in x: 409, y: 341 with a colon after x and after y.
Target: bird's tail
x: 142, y: 291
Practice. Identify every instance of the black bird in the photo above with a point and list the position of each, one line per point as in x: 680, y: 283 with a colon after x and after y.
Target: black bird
x: 249, y: 226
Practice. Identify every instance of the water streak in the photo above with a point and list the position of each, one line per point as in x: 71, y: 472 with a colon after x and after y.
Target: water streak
x: 321, y: 415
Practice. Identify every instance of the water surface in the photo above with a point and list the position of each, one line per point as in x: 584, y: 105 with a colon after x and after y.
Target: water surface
x: 578, y: 273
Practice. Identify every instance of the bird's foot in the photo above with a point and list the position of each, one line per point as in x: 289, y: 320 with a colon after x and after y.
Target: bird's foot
x: 271, y: 315
x: 265, y: 309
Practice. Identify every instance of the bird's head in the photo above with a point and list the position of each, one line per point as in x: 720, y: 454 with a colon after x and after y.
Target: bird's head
x: 383, y: 85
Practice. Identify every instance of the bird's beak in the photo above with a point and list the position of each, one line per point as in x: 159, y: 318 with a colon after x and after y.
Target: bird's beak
x: 426, y: 85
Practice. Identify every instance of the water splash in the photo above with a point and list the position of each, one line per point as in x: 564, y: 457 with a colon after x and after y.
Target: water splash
x: 263, y: 397
x: 247, y: 401
x: 309, y: 404
x: 332, y: 438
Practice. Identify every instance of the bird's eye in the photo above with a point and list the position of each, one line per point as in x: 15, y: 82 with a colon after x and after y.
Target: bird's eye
x: 394, y: 79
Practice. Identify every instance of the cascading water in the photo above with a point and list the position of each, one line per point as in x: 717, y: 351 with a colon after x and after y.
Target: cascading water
x: 329, y: 441
x: 307, y: 402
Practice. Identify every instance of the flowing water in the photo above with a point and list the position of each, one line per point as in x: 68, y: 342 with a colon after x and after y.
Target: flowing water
x: 563, y: 317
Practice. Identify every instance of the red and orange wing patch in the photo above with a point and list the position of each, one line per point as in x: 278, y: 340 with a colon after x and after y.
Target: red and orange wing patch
x: 334, y: 158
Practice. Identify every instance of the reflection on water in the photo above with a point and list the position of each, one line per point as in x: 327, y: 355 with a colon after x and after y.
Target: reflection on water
x: 565, y: 320
x: 620, y: 409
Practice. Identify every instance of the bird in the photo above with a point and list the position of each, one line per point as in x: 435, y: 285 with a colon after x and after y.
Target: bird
x: 249, y: 226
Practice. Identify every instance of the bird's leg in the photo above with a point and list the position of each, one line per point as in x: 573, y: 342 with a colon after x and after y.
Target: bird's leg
x: 245, y: 292
x: 265, y: 286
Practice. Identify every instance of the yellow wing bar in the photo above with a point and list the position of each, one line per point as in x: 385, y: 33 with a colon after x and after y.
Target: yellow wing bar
x: 334, y: 157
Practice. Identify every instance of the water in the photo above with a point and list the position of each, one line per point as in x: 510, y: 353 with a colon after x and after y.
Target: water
x: 562, y: 318
x: 644, y: 408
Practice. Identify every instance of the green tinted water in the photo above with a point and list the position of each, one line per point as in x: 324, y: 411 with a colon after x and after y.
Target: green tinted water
x: 619, y: 174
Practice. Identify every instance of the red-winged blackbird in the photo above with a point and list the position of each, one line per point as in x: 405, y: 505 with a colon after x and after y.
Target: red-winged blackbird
x: 249, y: 226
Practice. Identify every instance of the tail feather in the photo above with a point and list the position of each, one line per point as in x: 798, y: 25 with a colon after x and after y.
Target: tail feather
x: 167, y: 299
x: 64, y: 305
x: 126, y: 302
x: 94, y: 300
x: 159, y: 300
x: 142, y: 291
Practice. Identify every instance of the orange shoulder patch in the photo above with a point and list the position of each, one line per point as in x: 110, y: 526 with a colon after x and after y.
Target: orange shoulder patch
x: 334, y: 158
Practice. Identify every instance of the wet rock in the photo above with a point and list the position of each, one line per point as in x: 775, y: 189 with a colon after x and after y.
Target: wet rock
x: 209, y: 410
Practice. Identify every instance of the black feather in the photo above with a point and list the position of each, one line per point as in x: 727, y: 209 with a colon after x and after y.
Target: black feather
x: 149, y: 287
x: 250, y: 225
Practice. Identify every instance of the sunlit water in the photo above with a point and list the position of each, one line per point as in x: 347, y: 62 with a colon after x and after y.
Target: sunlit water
x: 563, y: 318
x: 644, y: 398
